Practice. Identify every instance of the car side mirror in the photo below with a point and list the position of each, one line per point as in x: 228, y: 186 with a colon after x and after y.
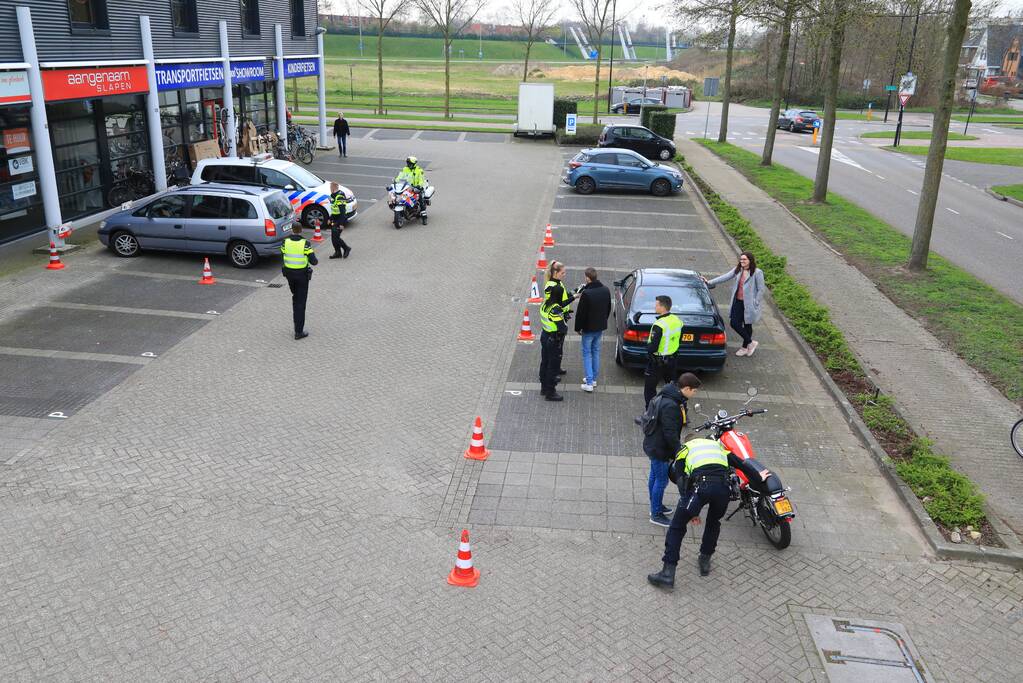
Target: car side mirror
x: 288, y: 187
x: 618, y: 283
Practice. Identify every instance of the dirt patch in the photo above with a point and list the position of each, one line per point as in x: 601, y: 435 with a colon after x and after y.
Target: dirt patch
x: 584, y: 72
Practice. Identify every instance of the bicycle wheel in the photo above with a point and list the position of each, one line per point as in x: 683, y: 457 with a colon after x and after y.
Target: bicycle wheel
x: 119, y: 194
x: 1016, y: 437
x: 304, y: 153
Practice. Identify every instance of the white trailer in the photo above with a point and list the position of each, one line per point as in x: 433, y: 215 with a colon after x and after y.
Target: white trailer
x: 536, y: 109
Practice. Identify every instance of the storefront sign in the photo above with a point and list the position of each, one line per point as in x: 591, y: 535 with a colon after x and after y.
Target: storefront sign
x: 14, y: 87
x: 16, y: 140
x: 298, y: 67
x: 20, y: 165
x: 75, y: 84
x: 24, y: 190
x: 210, y: 74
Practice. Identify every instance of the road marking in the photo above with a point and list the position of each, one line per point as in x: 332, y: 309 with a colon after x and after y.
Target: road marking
x: 952, y: 210
x: 169, y: 276
x: 1003, y: 235
x: 590, y: 198
x: 835, y: 155
x: 629, y: 246
x: 881, y: 177
x: 912, y: 192
x: 139, y: 311
x: 631, y: 213
x: 74, y: 355
x: 624, y: 227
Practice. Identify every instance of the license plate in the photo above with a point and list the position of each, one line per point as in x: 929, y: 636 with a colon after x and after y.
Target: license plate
x: 687, y: 337
x: 783, y: 506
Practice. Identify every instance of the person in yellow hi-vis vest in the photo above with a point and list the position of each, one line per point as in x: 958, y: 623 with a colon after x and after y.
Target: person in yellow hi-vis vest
x: 298, y: 257
x: 665, y: 334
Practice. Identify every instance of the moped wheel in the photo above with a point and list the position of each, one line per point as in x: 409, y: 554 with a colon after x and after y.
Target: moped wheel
x: 778, y: 533
x: 399, y: 219
x: 1016, y: 437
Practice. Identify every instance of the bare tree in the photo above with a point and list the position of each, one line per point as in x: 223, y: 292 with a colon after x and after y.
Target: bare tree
x: 382, y: 11
x: 450, y: 17
x: 939, y: 137
x: 785, y: 21
x: 595, y: 16
x: 535, y: 18
x: 837, y: 12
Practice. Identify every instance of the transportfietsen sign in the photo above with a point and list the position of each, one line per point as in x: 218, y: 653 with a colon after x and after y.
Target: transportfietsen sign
x: 75, y: 84
x: 14, y: 87
x: 209, y: 74
x: 296, y: 67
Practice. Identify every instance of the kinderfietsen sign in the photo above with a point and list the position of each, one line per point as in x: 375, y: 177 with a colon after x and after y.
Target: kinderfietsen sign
x: 296, y: 67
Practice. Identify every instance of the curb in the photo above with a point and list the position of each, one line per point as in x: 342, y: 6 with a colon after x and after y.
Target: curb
x: 1003, y: 198
x: 943, y: 549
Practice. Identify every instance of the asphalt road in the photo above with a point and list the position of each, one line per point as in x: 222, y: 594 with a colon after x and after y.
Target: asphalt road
x: 971, y: 228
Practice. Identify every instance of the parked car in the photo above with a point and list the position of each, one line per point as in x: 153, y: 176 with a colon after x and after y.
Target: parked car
x: 633, y: 106
x: 607, y: 168
x: 638, y: 139
x: 243, y: 223
x: 308, y: 193
x: 797, y: 120
x: 702, y: 346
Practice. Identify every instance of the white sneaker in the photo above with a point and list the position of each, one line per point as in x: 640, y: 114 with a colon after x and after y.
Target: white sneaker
x: 742, y: 352
x: 752, y: 347
x: 586, y: 387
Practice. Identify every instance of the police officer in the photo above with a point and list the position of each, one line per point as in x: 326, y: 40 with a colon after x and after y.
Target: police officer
x: 414, y: 176
x: 661, y: 349
x: 701, y: 472
x: 298, y: 255
x: 554, y: 313
x: 338, y: 219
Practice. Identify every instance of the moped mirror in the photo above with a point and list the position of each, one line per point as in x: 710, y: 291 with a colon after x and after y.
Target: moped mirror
x: 752, y: 392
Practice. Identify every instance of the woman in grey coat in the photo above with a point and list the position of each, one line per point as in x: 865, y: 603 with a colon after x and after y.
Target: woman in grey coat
x: 747, y: 297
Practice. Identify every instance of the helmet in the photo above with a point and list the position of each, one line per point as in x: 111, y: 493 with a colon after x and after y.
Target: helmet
x: 411, y: 162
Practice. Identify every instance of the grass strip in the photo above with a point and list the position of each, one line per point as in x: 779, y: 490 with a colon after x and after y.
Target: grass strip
x: 1014, y: 191
x: 949, y: 497
x: 915, y: 135
x: 422, y: 126
x: 414, y: 117
x: 983, y: 326
x: 989, y: 119
x: 1002, y: 156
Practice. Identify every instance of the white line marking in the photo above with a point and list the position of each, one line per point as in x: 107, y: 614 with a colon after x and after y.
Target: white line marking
x: 881, y: 177
x: 1003, y: 235
x: 952, y: 210
x: 632, y: 213
x: 913, y: 192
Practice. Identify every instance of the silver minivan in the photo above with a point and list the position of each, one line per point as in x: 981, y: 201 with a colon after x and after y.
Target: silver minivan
x: 243, y: 223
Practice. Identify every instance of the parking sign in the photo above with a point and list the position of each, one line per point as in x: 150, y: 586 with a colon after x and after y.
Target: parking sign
x: 570, y: 124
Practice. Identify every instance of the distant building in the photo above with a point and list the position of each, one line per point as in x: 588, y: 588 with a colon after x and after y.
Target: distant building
x: 1011, y: 62
x: 985, y: 47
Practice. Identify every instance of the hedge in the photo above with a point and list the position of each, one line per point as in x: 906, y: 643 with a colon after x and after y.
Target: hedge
x: 586, y: 134
x: 648, y: 111
x: 663, y: 124
x: 561, y: 108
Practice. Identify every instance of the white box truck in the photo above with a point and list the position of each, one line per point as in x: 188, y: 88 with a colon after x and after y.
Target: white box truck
x: 536, y: 109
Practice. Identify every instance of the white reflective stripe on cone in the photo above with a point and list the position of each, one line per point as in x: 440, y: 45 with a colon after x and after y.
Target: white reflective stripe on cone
x: 463, y: 564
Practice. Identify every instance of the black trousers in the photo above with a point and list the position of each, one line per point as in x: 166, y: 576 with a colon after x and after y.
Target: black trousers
x: 336, y: 228
x: 657, y: 370
x: 737, y: 319
x: 713, y: 494
x: 298, y: 283
x: 552, y: 347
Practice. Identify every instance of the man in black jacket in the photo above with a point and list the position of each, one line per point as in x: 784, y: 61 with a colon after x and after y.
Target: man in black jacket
x: 666, y: 440
x: 341, y: 132
x: 591, y: 315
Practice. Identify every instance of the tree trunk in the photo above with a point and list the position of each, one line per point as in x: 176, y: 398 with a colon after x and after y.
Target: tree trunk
x: 380, y: 67
x: 447, y: 75
x: 726, y: 91
x: 525, y: 67
x: 837, y: 38
x: 596, y: 82
x: 939, y: 138
x: 779, y: 82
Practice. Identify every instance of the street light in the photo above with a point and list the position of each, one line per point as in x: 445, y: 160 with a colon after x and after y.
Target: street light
x: 611, y: 68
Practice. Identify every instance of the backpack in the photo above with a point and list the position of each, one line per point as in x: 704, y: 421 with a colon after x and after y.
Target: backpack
x: 649, y: 420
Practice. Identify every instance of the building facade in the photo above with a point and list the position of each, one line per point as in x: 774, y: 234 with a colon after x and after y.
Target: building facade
x: 90, y: 89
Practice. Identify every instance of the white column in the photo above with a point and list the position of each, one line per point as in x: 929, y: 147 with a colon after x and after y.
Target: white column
x: 40, y: 128
x: 229, y: 130
x: 279, y: 92
x: 153, y: 122
x: 321, y: 91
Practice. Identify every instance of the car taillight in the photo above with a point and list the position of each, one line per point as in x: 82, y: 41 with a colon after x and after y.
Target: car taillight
x: 635, y: 336
x: 575, y: 164
x: 270, y: 227
x: 715, y: 339
x: 799, y: 119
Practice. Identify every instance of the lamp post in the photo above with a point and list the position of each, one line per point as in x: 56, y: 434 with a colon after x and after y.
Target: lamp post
x: 611, y: 68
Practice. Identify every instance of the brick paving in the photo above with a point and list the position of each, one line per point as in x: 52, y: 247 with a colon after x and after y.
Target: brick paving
x: 245, y: 507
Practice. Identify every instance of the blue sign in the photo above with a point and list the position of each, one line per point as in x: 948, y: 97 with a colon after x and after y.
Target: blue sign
x: 211, y: 74
x: 593, y: 54
x: 296, y: 67
x: 816, y: 123
x: 570, y: 123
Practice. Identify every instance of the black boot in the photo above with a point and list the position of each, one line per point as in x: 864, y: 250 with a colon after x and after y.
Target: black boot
x: 553, y: 395
x: 664, y: 578
x: 336, y: 254
x: 704, y: 562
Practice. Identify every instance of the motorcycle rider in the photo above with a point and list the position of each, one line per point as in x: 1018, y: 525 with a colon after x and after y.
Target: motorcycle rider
x: 414, y: 176
x: 701, y: 472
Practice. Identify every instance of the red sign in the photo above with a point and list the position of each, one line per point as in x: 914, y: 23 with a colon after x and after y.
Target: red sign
x: 903, y: 98
x: 16, y: 140
x: 77, y: 84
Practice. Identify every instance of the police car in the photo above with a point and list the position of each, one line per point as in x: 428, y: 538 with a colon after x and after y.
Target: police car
x: 308, y: 193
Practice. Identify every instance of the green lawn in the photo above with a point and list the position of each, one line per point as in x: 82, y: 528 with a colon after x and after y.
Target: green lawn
x: 1014, y: 191
x: 1003, y: 156
x: 990, y: 119
x: 397, y: 48
x: 980, y: 324
x: 915, y: 135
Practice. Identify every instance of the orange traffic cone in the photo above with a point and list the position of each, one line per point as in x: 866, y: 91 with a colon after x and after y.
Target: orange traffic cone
x: 541, y: 262
x: 207, y: 273
x: 54, y: 263
x: 526, y: 331
x: 534, y: 293
x: 464, y: 574
x: 548, y: 238
x: 477, y: 450
x: 317, y: 235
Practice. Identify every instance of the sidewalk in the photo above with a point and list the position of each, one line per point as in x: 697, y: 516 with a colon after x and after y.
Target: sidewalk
x: 938, y: 394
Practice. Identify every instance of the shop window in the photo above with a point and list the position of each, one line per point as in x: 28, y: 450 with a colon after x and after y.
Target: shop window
x: 21, y: 209
x: 298, y: 18
x: 88, y: 15
x: 250, y: 17
x: 184, y: 17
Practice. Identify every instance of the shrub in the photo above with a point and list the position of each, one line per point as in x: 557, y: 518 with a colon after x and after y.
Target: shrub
x: 953, y: 499
x: 586, y: 134
x: 648, y: 111
x: 562, y: 107
x: 663, y: 124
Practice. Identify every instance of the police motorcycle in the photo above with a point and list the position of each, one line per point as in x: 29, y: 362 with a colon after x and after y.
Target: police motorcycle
x: 761, y: 496
x: 404, y: 201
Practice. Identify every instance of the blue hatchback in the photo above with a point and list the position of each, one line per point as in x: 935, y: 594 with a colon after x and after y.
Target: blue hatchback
x: 612, y: 168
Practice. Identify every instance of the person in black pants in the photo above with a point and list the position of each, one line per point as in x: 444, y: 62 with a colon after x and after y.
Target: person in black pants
x: 298, y: 256
x: 338, y: 220
x: 554, y: 316
x: 341, y: 132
